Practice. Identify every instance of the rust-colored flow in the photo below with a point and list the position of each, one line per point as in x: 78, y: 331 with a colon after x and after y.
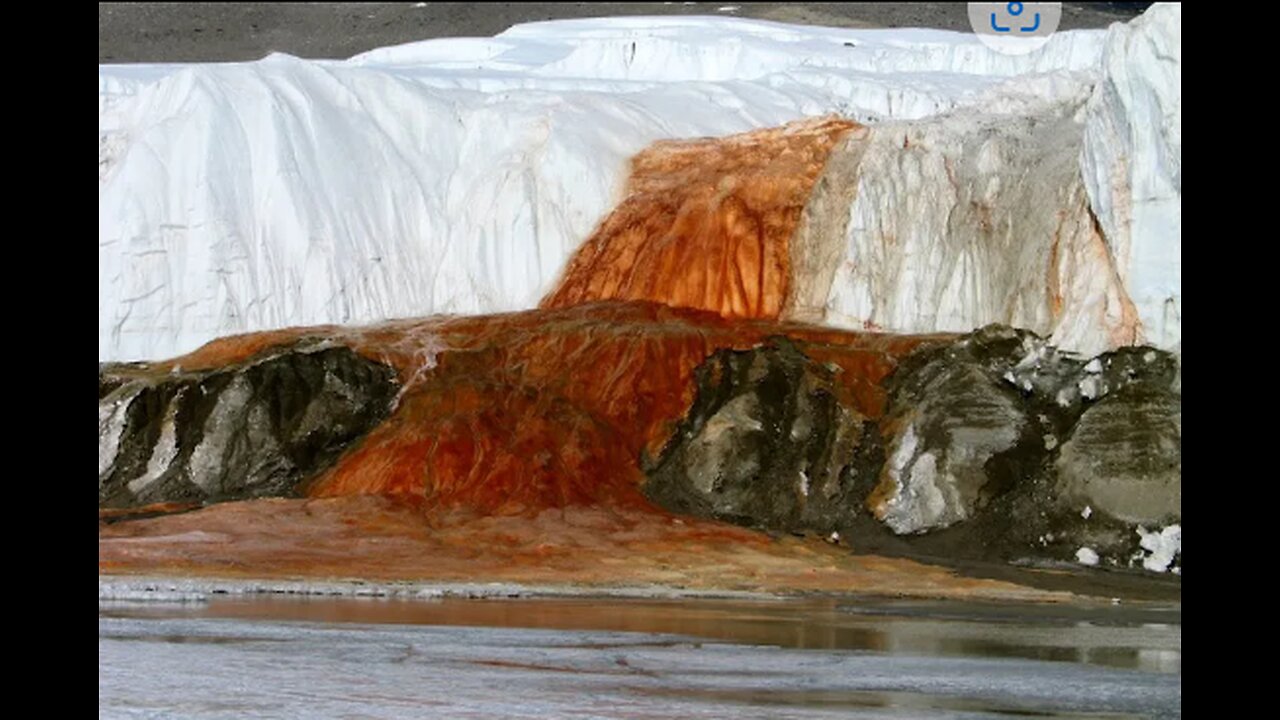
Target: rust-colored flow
x: 513, y: 414
x: 555, y: 408
x: 706, y: 223
x: 515, y: 448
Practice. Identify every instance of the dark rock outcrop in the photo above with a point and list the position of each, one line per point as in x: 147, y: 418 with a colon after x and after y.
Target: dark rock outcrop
x: 999, y: 408
x: 1124, y: 457
x: 956, y: 433
x: 994, y: 445
x: 254, y: 429
x: 766, y: 443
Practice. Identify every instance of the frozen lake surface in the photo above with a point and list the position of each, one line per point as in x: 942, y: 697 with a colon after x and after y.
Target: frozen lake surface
x: 586, y: 658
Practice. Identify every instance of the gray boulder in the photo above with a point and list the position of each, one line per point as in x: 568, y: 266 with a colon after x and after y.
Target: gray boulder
x: 1124, y: 457
x: 958, y: 431
x: 766, y: 443
x: 256, y: 429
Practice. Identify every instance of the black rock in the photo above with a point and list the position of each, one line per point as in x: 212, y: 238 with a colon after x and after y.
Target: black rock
x: 995, y: 445
x: 256, y: 429
x: 1124, y: 457
x: 766, y: 444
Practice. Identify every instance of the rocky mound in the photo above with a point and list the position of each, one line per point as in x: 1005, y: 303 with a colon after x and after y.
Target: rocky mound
x: 768, y: 442
x: 991, y: 445
x: 257, y: 428
x: 994, y: 445
x: 496, y: 414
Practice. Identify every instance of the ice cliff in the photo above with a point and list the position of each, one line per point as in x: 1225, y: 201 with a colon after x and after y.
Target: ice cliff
x: 461, y: 175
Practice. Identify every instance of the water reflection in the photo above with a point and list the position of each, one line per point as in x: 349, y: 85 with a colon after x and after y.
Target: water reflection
x: 902, y: 704
x: 1092, y: 636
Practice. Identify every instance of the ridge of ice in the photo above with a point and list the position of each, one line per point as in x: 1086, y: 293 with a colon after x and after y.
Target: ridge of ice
x: 1132, y: 163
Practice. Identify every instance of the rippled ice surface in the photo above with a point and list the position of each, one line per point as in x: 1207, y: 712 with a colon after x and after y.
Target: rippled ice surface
x: 531, y: 658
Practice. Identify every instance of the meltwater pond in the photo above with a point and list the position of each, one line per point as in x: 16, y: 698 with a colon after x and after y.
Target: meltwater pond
x: 613, y: 658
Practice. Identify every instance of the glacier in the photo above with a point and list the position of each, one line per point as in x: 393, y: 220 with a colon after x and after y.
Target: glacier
x: 459, y: 175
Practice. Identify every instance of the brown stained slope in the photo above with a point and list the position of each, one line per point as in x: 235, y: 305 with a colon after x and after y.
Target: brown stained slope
x: 549, y: 409
x: 514, y: 455
x: 512, y: 414
x: 706, y: 223
x: 372, y: 538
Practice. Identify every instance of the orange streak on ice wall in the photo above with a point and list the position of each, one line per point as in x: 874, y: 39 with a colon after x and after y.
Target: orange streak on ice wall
x: 706, y: 223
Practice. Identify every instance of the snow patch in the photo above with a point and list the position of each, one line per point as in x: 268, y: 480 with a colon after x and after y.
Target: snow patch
x: 1161, y: 547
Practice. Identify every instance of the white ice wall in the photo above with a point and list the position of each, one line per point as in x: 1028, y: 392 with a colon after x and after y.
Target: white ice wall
x: 979, y: 216
x: 459, y: 175
x: 1132, y: 163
